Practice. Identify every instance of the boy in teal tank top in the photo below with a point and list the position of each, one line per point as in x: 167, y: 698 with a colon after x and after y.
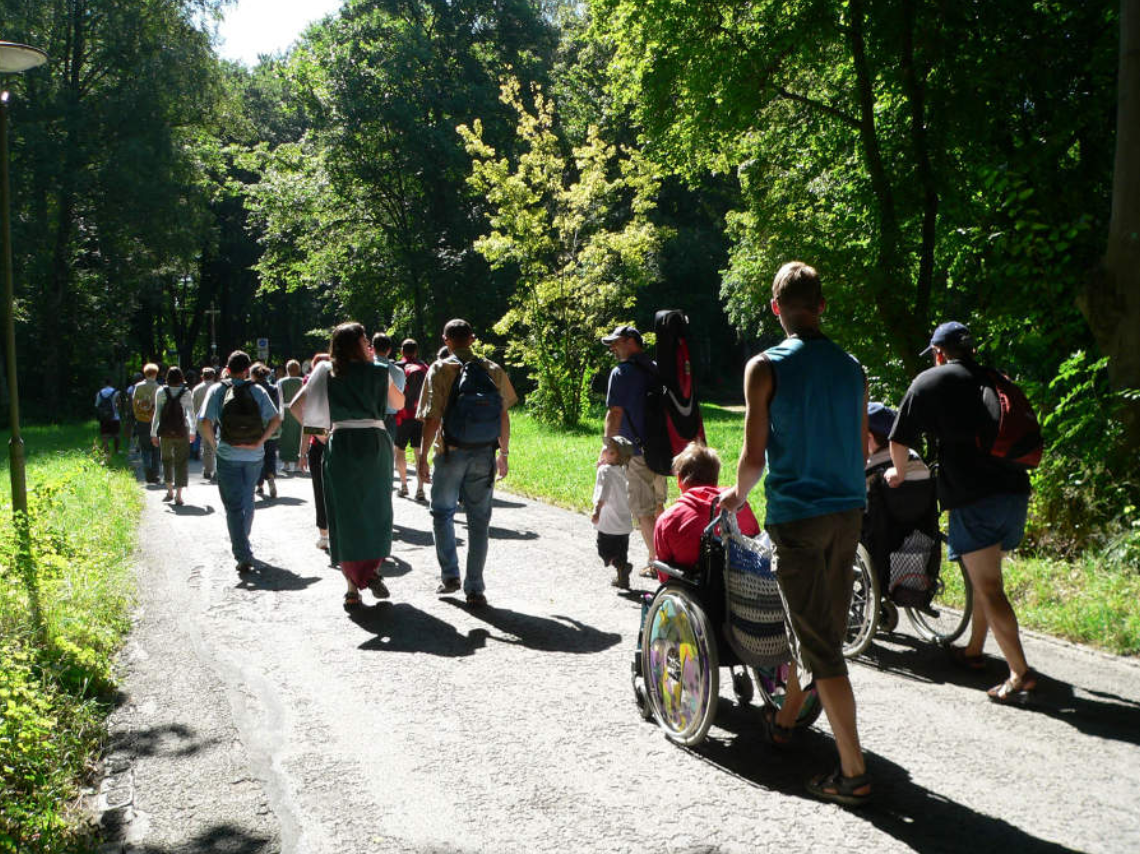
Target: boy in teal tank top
x: 806, y: 421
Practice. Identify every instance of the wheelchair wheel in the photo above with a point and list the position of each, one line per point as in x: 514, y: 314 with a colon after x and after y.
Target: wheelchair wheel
x: 941, y: 622
x: 863, y: 612
x: 773, y: 685
x: 679, y: 662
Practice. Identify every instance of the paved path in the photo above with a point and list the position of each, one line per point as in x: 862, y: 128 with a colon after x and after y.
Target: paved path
x: 257, y: 716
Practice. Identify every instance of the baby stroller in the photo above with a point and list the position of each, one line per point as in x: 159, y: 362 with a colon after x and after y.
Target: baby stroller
x: 897, y: 565
x: 725, y: 612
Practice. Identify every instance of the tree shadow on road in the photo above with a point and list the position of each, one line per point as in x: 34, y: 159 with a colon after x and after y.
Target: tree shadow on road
x: 1099, y: 714
x: 400, y: 627
x: 921, y: 819
x: 219, y: 838
x: 169, y: 740
x: 266, y: 576
x: 560, y: 634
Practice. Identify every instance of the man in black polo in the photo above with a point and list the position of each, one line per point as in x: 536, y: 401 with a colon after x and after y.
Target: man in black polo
x: 987, y: 498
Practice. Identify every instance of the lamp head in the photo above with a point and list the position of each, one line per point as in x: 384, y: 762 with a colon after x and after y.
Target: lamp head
x: 15, y: 57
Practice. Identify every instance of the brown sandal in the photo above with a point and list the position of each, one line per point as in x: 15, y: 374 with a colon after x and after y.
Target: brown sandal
x: 1009, y: 692
x: 966, y: 662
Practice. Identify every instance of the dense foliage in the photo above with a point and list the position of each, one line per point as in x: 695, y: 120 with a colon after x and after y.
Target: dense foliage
x: 62, y: 616
x: 934, y: 160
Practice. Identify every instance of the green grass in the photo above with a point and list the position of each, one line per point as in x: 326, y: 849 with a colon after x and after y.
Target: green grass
x: 557, y: 465
x: 63, y: 615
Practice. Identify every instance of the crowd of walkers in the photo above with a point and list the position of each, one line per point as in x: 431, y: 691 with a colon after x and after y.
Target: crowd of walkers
x: 348, y: 416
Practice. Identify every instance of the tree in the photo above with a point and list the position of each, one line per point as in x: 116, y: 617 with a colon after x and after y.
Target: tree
x: 1111, y: 300
x: 576, y: 232
x: 931, y: 159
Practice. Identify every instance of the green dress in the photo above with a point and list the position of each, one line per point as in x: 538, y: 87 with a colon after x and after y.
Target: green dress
x: 358, y: 466
x: 289, y: 448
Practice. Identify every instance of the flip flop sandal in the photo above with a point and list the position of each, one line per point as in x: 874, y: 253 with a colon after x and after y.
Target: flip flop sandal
x: 838, y: 789
x: 648, y: 572
x: 1008, y: 693
x: 773, y: 733
x: 966, y: 662
x: 352, y: 601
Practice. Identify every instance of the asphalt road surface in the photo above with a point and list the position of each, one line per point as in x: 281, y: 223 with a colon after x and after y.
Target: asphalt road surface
x: 256, y: 716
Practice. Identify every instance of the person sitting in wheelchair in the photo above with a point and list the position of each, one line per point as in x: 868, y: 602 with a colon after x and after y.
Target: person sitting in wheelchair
x: 677, y: 541
x: 900, y: 526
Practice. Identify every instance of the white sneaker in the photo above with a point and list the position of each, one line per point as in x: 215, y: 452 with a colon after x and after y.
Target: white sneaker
x: 323, y: 543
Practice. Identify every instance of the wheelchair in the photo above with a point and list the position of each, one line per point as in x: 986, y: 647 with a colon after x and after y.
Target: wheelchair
x: 725, y: 612
x: 898, y: 566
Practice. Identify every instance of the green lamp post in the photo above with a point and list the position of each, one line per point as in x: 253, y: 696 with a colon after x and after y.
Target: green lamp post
x: 14, y: 58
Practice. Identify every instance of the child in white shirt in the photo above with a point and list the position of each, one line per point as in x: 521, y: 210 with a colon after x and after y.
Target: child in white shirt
x: 611, y: 508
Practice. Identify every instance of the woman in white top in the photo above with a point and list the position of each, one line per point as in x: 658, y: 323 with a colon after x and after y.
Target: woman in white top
x: 172, y: 430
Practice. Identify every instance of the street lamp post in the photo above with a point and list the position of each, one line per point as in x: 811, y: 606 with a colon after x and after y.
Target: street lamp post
x: 14, y: 58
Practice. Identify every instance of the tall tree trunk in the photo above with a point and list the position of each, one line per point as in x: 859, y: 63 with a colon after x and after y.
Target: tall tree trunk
x: 1111, y: 299
x: 892, y: 284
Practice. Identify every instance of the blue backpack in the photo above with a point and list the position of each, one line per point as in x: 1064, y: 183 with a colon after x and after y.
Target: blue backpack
x: 474, y: 408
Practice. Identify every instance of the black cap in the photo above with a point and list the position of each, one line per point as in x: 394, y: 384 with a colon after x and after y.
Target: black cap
x: 623, y: 332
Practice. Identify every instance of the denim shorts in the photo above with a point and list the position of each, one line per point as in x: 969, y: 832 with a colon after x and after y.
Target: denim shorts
x: 989, y: 521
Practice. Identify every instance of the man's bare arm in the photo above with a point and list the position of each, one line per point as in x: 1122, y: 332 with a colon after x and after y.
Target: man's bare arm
x: 758, y: 389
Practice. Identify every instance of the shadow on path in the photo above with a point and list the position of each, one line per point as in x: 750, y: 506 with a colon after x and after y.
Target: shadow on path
x: 500, y: 502
x: 561, y: 634
x: 169, y: 740
x: 507, y: 534
x: 922, y: 819
x: 414, y: 536
x: 220, y: 838
x: 263, y: 502
x: 400, y: 627
x: 266, y: 576
x: 393, y: 567
x: 190, y: 509
x: 1106, y: 716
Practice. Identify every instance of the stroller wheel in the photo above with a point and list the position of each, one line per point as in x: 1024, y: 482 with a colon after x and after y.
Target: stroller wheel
x: 742, y: 686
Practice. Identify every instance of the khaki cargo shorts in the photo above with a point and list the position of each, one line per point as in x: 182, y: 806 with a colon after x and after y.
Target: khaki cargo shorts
x: 646, y: 489
x: 813, y: 560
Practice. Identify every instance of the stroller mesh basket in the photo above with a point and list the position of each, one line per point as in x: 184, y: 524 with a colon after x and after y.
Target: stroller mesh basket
x: 754, y: 626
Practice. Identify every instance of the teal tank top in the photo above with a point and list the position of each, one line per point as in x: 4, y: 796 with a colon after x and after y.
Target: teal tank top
x: 815, y: 453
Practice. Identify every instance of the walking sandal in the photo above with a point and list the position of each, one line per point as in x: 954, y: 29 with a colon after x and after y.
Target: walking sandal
x: 838, y: 789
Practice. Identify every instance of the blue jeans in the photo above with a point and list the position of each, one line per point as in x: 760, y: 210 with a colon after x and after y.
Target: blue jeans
x: 469, y: 473
x: 236, y: 481
x: 147, y: 451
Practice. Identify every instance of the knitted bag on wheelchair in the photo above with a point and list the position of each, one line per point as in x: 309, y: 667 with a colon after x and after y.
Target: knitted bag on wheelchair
x: 755, y: 612
x: 910, y: 584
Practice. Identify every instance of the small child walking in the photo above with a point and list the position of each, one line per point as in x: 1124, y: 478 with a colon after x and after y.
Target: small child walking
x: 611, y: 508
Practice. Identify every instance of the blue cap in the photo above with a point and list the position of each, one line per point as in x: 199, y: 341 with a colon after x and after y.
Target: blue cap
x: 880, y: 418
x: 951, y: 333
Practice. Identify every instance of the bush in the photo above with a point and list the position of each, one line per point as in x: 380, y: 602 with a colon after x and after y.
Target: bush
x: 1087, y: 489
x: 63, y: 611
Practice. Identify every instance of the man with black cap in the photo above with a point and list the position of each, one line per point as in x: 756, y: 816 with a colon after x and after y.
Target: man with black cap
x: 625, y: 416
x: 987, y: 498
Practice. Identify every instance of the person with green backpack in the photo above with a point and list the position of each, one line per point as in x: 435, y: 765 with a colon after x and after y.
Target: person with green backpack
x: 245, y: 417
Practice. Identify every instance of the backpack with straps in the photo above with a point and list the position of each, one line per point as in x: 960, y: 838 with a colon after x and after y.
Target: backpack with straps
x: 142, y: 401
x: 171, y: 421
x: 656, y: 446
x: 474, y: 408
x: 415, y: 372
x: 241, y: 416
x: 1013, y: 434
x: 105, y: 406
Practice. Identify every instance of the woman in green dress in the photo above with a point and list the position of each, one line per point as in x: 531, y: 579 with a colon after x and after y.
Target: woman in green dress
x: 289, y: 448
x: 349, y: 395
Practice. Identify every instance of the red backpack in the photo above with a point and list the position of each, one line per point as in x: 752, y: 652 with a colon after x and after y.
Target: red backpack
x: 1015, y: 435
x: 415, y: 372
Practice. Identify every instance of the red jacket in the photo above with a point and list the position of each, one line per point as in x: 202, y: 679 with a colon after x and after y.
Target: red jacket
x: 677, y: 535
